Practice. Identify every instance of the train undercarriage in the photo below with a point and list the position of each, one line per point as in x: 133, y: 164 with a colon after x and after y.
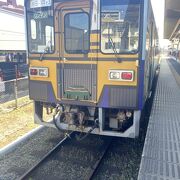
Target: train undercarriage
x: 95, y: 120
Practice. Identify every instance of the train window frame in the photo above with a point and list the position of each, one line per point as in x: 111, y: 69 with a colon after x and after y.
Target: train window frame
x: 140, y: 31
x: 89, y: 21
x: 28, y: 28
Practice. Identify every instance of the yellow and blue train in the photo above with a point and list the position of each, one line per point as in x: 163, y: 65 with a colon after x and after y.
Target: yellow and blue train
x: 93, y: 61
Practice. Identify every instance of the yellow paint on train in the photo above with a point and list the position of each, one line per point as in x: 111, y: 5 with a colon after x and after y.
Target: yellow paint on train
x: 94, y: 47
x: 51, y: 65
x: 112, y: 56
x: 103, y: 68
x: 95, y: 37
x: 103, y: 75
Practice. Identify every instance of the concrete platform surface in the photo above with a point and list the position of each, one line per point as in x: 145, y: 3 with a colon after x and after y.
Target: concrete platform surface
x: 161, y: 153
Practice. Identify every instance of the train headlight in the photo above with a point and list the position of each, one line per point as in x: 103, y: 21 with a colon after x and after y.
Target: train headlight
x: 33, y: 72
x: 38, y: 72
x: 114, y: 75
x: 121, y: 75
x: 43, y: 72
x: 127, y: 75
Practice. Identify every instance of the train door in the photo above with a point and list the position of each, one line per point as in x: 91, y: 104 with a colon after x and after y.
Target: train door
x: 77, y: 72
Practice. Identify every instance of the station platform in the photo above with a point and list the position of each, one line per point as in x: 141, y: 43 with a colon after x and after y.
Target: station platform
x: 161, y: 154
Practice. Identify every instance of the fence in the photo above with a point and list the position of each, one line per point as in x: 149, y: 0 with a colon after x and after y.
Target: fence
x: 13, y: 89
x: 11, y: 70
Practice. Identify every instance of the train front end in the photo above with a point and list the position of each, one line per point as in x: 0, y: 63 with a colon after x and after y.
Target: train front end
x: 85, y: 64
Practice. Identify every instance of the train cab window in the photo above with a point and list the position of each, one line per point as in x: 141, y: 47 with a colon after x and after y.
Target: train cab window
x: 40, y: 25
x: 33, y: 29
x: 49, y: 34
x: 77, y: 33
x: 120, y: 22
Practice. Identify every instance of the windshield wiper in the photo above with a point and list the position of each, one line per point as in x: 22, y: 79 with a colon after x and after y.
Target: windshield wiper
x: 114, y: 48
x: 42, y: 55
x: 46, y: 49
x: 113, y: 45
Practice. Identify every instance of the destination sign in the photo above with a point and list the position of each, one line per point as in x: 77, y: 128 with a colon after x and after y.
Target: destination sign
x: 40, y: 3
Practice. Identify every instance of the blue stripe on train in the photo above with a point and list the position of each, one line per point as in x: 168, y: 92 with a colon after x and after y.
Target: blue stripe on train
x: 105, y: 98
x: 141, y: 85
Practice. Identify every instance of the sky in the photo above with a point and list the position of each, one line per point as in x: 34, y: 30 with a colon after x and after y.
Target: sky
x: 158, y: 6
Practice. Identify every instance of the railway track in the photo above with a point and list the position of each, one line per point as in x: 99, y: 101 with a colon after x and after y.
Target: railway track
x: 78, y: 160
x: 96, y: 157
x: 97, y: 164
x: 46, y: 156
x: 81, y: 159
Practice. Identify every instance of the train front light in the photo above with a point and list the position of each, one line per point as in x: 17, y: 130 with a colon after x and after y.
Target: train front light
x: 121, y: 75
x: 43, y: 72
x: 127, y: 76
x: 114, y: 75
x: 33, y: 72
x: 38, y: 72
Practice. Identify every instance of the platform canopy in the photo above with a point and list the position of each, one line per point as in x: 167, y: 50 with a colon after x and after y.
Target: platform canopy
x: 172, y: 19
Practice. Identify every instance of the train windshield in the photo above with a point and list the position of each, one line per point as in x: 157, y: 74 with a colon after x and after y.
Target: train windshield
x: 120, y: 22
x: 40, y: 26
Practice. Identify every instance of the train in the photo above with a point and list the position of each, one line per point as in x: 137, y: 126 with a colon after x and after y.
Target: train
x: 91, y: 63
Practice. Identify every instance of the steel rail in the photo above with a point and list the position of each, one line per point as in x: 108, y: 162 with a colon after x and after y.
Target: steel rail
x: 96, y: 166
x: 26, y: 174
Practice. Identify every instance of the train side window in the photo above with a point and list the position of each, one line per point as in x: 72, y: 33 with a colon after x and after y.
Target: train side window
x: 77, y: 40
x: 33, y: 29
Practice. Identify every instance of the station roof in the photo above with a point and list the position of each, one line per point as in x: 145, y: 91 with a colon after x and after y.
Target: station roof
x: 172, y: 19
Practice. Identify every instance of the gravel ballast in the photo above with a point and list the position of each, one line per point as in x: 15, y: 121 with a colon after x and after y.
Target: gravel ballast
x: 14, y: 164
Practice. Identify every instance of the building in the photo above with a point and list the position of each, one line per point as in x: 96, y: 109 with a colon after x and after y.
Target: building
x: 12, y: 40
x: 12, y: 27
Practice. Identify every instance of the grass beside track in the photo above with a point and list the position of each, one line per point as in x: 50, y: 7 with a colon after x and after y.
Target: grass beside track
x: 14, y: 123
